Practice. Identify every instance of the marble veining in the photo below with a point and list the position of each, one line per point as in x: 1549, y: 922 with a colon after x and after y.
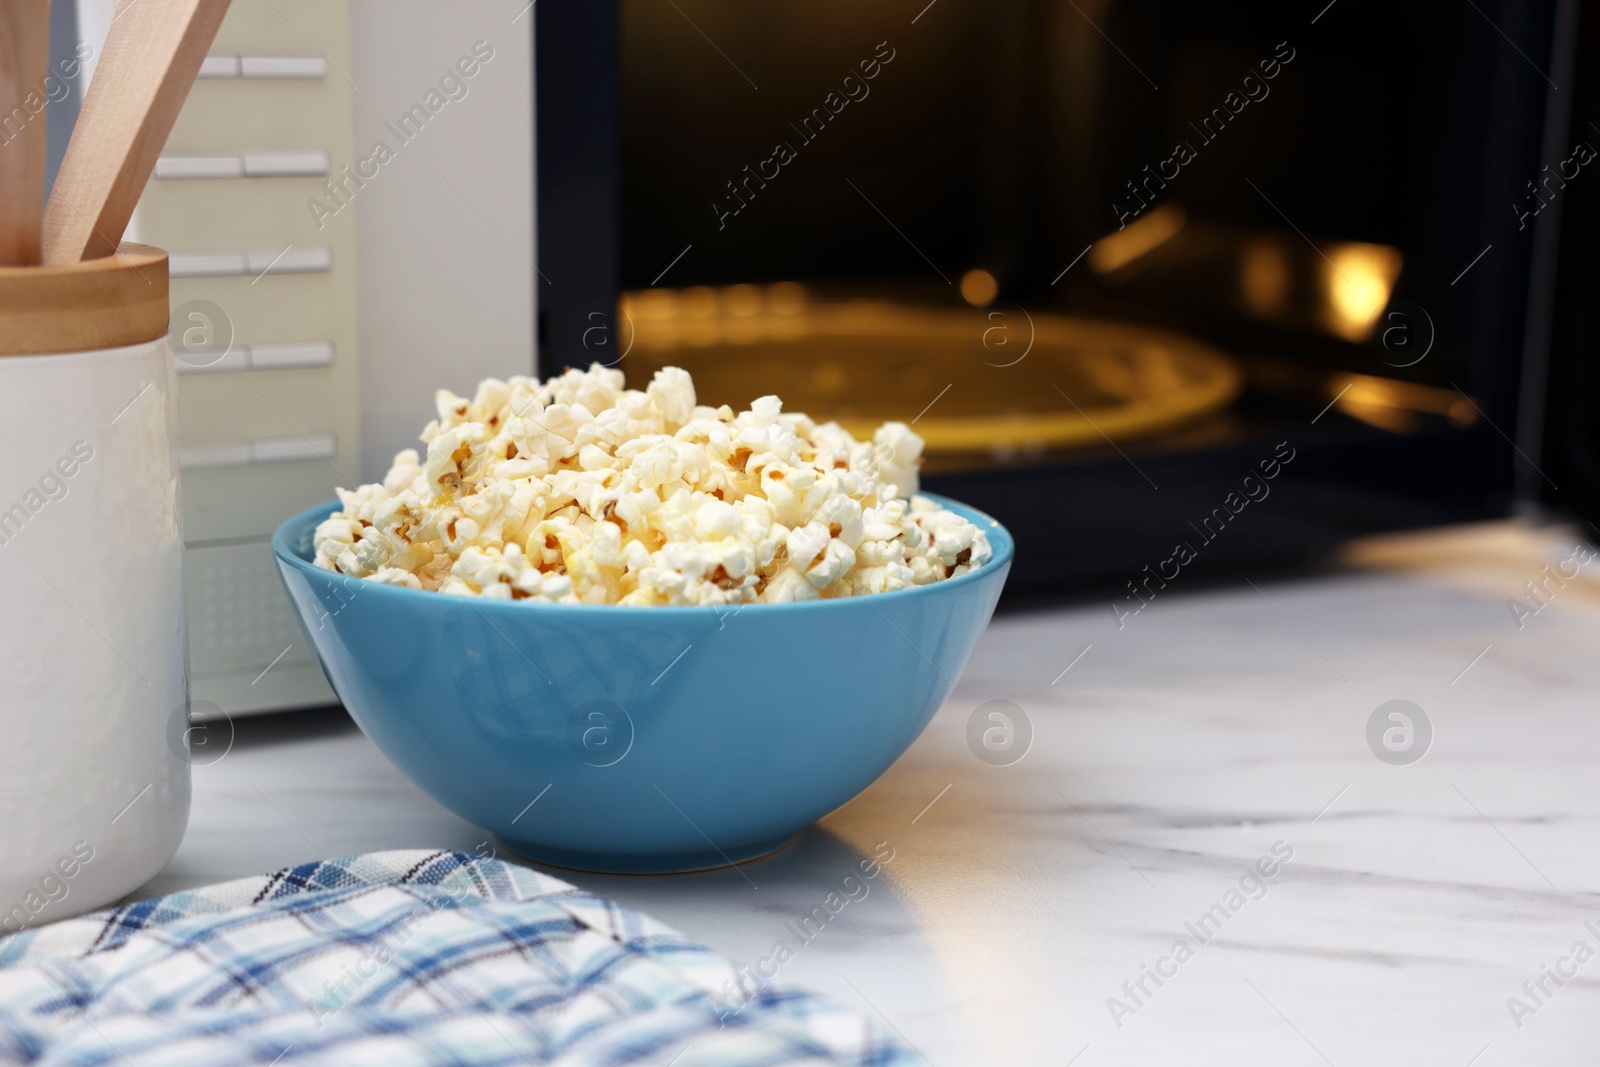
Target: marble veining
x: 1026, y: 906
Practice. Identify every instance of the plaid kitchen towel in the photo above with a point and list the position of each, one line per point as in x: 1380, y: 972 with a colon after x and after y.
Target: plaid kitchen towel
x: 400, y: 958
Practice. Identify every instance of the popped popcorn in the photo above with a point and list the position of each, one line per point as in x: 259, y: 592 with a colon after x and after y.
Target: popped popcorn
x: 577, y: 490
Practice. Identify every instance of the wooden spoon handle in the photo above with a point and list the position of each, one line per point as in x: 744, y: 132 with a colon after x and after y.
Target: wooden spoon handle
x: 24, y: 61
x: 150, y: 60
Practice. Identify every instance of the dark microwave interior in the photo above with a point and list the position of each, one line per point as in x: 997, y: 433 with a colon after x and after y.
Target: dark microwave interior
x: 1109, y: 258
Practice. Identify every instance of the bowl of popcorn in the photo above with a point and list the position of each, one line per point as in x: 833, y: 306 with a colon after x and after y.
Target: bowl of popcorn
x: 626, y: 631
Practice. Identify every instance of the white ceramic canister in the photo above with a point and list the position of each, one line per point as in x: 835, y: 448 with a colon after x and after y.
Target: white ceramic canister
x: 94, y: 780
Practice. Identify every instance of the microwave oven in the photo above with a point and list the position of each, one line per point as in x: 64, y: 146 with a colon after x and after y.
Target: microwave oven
x: 1167, y: 291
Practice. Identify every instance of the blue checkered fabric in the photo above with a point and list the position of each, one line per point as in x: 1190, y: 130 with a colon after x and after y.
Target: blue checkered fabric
x: 401, y: 958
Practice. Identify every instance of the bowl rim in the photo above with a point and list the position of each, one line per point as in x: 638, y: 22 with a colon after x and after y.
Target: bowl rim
x: 1003, y: 546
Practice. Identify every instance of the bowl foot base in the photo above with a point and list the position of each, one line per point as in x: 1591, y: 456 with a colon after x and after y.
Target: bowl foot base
x: 644, y: 863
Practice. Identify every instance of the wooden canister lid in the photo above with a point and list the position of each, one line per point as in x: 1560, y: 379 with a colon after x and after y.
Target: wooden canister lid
x: 80, y: 307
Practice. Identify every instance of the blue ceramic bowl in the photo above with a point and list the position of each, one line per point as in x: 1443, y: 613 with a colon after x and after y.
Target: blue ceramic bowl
x: 640, y: 739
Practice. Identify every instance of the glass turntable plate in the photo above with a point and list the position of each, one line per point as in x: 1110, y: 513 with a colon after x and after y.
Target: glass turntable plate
x: 974, y: 380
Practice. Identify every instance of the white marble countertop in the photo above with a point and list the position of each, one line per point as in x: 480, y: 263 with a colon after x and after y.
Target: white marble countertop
x: 1221, y: 723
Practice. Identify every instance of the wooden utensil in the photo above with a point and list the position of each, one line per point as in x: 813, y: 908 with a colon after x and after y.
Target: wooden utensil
x: 150, y: 60
x: 24, y: 61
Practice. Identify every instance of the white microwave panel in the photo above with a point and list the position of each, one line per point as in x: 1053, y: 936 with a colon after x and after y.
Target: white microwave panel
x: 324, y: 288
x: 445, y: 221
x: 246, y: 649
